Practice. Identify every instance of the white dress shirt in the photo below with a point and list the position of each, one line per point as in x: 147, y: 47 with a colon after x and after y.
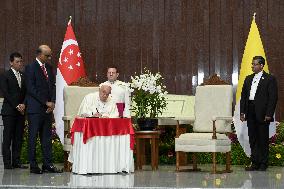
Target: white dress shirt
x: 254, y: 85
x: 120, y: 94
x: 18, y: 76
x: 92, y: 104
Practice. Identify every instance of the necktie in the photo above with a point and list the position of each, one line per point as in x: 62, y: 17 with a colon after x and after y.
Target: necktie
x: 44, y: 71
x: 19, y: 78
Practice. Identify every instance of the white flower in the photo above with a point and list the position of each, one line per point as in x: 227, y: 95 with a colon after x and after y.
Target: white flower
x: 147, y: 91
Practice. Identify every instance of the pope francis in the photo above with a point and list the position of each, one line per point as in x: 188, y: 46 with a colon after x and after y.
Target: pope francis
x: 99, y: 104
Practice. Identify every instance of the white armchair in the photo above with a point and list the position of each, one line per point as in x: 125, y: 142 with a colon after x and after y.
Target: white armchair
x: 73, y: 96
x: 212, y: 120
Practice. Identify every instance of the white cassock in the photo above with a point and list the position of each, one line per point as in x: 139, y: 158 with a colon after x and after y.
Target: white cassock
x: 120, y: 94
x: 92, y: 103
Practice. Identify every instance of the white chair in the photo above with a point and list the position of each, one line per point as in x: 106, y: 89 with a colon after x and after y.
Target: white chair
x: 212, y: 120
x: 73, y: 96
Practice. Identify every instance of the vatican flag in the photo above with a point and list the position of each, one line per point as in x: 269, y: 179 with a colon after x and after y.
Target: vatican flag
x: 253, y: 48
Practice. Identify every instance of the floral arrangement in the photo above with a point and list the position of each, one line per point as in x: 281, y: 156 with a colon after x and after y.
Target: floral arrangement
x: 148, y: 94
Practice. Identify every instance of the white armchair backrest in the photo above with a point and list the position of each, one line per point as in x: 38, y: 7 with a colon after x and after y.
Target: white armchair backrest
x: 213, y: 100
x: 73, y: 96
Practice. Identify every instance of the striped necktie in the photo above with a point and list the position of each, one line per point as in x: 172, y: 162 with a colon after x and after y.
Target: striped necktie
x: 18, y: 75
x: 44, y: 71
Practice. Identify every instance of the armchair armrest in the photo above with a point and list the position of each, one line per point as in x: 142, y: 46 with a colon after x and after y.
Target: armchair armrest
x: 67, y: 126
x: 189, y: 119
x: 215, y: 118
x: 66, y: 118
x: 225, y: 118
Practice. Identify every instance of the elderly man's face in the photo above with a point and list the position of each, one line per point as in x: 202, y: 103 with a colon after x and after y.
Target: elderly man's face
x: 112, y: 74
x: 104, y: 93
x: 46, y: 54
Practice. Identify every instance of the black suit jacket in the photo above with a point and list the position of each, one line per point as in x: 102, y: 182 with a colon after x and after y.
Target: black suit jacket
x: 13, y: 94
x: 39, y: 89
x: 265, y: 99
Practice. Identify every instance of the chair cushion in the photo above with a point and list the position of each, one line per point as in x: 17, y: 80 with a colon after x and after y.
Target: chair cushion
x: 203, y: 139
x: 195, y: 148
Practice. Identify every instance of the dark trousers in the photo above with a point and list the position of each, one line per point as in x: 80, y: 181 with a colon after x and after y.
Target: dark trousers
x: 40, y: 124
x: 258, y: 138
x: 12, y: 134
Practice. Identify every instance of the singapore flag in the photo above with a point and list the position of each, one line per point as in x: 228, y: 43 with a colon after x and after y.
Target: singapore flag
x: 70, y: 68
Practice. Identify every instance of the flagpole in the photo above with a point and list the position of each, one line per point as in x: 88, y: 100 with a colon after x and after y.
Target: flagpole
x: 70, y: 18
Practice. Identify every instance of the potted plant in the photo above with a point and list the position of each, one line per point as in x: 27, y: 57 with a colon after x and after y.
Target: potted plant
x: 148, y: 97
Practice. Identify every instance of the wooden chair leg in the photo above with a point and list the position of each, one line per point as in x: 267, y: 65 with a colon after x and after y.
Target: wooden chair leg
x: 228, y: 162
x: 177, y: 161
x: 214, y: 170
x: 67, y: 164
x: 194, y: 162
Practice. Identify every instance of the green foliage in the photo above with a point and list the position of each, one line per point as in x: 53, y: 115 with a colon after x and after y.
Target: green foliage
x: 280, y: 133
x: 57, y: 148
x: 276, y: 155
x: 276, y: 147
x: 238, y: 155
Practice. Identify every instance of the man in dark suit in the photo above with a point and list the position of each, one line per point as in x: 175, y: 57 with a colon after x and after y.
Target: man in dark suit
x: 40, y: 100
x: 258, y: 101
x: 13, y: 109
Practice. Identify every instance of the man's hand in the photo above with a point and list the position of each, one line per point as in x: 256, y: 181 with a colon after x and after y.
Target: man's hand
x: 50, y: 107
x: 50, y: 104
x: 21, y: 107
x: 49, y: 110
x: 267, y: 118
x: 242, y: 117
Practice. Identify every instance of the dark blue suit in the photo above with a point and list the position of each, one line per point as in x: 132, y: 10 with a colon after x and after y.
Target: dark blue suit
x: 39, y: 91
x: 13, y: 121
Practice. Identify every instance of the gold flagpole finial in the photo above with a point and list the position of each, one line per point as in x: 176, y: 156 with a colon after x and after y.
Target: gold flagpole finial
x: 254, y: 15
x: 70, y: 18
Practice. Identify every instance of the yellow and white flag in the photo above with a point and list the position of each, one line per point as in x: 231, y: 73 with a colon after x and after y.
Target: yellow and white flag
x: 253, y: 48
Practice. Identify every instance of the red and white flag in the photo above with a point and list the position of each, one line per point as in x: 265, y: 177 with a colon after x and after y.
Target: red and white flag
x: 70, y: 68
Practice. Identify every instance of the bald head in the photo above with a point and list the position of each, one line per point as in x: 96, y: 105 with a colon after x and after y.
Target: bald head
x: 104, y: 92
x: 44, y: 53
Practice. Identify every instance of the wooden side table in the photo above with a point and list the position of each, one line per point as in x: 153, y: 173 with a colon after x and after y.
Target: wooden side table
x: 154, y: 137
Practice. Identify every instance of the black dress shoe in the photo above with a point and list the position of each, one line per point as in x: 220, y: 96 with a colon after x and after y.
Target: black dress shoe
x: 252, y: 168
x: 262, y: 168
x: 50, y: 169
x: 21, y: 166
x: 8, y: 167
x: 35, y: 170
